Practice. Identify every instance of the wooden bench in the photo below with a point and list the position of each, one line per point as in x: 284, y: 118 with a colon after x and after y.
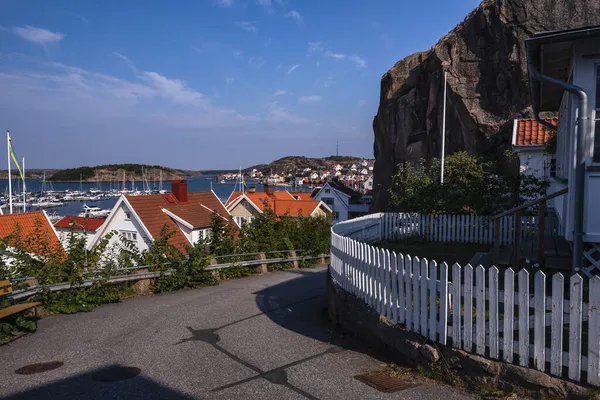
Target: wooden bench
x: 6, y: 288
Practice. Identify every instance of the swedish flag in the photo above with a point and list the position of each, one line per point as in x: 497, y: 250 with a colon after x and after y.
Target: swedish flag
x: 12, y: 154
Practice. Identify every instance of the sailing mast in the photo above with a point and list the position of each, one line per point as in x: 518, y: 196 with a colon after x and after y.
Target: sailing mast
x: 9, y: 174
x: 24, y: 194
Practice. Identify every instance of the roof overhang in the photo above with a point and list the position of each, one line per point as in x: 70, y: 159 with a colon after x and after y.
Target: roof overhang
x: 551, y: 53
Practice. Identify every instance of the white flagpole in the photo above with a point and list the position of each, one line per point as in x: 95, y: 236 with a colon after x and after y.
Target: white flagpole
x: 24, y: 196
x: 9, y: 177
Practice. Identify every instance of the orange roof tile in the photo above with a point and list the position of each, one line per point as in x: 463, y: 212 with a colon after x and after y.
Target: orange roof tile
x: 26, y: 226
x: 196, y: 215
x: 302, y: 195
x: 529, y: 132
x: 149, y: 210
x: 294, y: 208
x: 80, y: 223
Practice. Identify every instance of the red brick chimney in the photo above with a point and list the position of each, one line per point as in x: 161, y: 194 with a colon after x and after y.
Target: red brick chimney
x: 179, y: 190
x: 269, y: 189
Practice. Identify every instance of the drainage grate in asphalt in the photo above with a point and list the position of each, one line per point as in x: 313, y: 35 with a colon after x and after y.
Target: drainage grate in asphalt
x: 38, y: 368
x: 115, y: 374
x: 384, y: 382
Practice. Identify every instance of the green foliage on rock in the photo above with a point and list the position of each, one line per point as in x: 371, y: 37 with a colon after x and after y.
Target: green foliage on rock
x: 471, y: 185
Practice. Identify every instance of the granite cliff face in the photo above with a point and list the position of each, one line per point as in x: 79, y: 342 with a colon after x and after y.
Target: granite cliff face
x: 487, y: 85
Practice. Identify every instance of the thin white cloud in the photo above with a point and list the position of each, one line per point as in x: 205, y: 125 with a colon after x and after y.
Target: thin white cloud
x: 278, y: 114
x: 237, y: 53
x: 338, y: 56
x: 224, y: 3
x: 279, y: 92
x: 316, y: 47
x: 257, y: 62
x: 293, y: 68
x: 359, y: 61
x: 127, y: 61
x: 35, y: 35
x: 279, y: 66
x: 295, y: 15
x: 228, y: 82
x: 247, y: 26
x: 309, y: 99
x: 83, y: 19
x: 264, y: 3
x: 172, y: 89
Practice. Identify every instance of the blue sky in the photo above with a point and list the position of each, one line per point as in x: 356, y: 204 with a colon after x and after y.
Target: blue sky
x: 202, y: 84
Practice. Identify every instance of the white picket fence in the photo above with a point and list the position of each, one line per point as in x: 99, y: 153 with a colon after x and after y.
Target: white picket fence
x: 454, y: 228
x: 477, y: 310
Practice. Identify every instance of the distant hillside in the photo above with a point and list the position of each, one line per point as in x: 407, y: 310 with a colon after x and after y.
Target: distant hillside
x: 289, y: 164
x: 111, y: 172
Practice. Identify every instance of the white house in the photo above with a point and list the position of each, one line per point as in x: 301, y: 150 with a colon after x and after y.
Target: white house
x: 140, y: 219
x: 564, y: 74
x: 529, y: 142
x: 343, y: 201
x: 80, y: 226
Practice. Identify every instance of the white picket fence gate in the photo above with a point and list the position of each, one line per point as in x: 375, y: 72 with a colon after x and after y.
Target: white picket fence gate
x: 480, y: 311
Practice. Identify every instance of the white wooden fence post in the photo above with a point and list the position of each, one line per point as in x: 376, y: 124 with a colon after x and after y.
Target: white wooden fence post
x: 468, y: 300
x: 524, y: 318
x: 408, y: 268
x: 456, y: 300
x: 401, y: 295
x: 594, y: 332
x: 480, y: 314
x: 386, y: 281
x: 424, y: 298
x: 493, y: 301
x: 509, y: 312
x: 394, y: 284
x: 433, y: 300
x: 575, y: 318
x: 539, y: 329
x: 556, y: 340
x: 416, y: 301
x: 443, y: 324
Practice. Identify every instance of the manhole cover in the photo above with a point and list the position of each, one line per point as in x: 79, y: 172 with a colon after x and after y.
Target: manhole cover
x: 39, y: 367
x: 115, y: 374
x: 384, y: 382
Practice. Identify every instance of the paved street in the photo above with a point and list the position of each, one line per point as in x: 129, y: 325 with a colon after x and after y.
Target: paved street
x: 264, y: 337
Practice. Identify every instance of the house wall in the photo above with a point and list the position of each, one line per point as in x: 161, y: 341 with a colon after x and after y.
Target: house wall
x: 63, y: 235
x: 120, y: 223
x: 244, y: 210
x: 535, y: 162
x: 340, y: 202
x: 186, y: 231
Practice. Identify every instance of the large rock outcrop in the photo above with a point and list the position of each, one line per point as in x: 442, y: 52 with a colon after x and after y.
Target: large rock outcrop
x: 487, y: 85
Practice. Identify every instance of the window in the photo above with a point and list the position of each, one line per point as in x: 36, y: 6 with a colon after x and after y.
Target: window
x: 596, y: 157
x: 239, y: 220
x: 336, y: 215
x: 131, y: 236
x: 328, y: 200
x: 127, y: 216
x: 327, y: 190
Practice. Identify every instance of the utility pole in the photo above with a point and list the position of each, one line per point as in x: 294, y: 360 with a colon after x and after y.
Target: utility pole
x: 445, y: 66
x: 337, y: 149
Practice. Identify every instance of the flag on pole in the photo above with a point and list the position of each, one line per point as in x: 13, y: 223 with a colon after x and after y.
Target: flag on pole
x: 12, y: 155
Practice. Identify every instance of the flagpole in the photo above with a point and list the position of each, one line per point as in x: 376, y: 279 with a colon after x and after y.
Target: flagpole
x: 24, y: 197
x: 9, y: 177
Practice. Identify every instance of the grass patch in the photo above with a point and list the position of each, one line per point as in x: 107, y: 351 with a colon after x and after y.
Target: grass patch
x: 449, y: 252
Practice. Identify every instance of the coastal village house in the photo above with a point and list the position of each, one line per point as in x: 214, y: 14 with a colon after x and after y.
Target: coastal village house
x: 140, y: 219
x: 80, y: 226
x: 345, y: 202
x: 571, y: 60
x: 32, y: 232
x: 529, y: 142
x: 244, y: 206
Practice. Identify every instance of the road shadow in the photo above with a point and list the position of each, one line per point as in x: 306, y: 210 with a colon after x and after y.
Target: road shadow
x: 100, y: 384
x: 300, y: 305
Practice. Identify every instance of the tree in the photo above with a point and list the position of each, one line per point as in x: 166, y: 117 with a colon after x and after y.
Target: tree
x: 222, y: 235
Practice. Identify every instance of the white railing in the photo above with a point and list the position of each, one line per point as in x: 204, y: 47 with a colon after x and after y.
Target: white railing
x: 478, y: 310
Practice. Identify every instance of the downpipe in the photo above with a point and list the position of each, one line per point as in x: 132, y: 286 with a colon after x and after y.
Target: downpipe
x: 583, y: 127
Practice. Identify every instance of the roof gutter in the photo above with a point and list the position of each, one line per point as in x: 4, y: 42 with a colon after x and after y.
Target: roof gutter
x: 583, y: 122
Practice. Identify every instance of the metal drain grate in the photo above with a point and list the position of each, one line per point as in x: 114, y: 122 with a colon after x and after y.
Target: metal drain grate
x: 39, y: 368
x: 384, y: 382
x: 115, y: 374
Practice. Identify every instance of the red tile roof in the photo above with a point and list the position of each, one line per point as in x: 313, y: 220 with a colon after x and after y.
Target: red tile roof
x: 294, y: 208
x: 302, y: 195
x: 149, y: 210
x: 81, y: 223
x: 33, y: 231
x: 259, y: 198
x: 195, y: 214
x: 529, y: 132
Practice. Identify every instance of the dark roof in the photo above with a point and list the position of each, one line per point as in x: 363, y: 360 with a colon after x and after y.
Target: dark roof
x: 551, y: 53
x: 80, y: 223
x: 354, y: 195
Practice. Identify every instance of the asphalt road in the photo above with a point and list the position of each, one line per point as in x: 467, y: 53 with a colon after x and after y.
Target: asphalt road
x: 263, y: 337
